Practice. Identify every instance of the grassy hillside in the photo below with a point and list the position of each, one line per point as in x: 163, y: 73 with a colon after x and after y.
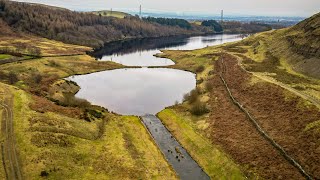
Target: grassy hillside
x: 69, y: 137
x: 52, y: 145
x: 116, y: 14
x: 296, y: 48
x: 263, y: 75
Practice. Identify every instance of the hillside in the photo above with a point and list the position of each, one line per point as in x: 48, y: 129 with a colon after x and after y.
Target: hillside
x: 296, y: 48
x: 250, y: 95
x: 116, y: 14
x: 54, y: 141
x: 82, y: 28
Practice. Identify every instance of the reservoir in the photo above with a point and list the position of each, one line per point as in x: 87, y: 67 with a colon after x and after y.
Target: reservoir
x: 140, y: 91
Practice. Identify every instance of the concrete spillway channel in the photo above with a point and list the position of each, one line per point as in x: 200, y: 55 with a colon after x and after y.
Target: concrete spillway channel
x: 176, y: 155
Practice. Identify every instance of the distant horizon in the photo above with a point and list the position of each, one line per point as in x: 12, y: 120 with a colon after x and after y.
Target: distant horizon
x: 267, y: 8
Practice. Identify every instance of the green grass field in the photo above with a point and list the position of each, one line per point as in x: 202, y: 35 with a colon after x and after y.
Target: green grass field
x: 4, y: 56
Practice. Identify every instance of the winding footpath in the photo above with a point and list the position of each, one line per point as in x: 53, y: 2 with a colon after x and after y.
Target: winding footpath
x: 8, y: 149
x: 315, y: 101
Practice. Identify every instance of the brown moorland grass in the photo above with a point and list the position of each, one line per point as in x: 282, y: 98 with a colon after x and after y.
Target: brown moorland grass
x: 293, y: 122
x: 285, y: 124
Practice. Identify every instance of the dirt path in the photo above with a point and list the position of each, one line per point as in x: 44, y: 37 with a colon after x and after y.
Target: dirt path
x: 11, y: 162
x: 305, y: 96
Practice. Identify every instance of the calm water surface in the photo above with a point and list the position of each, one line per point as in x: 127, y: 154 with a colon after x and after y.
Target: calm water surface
x: 141, y: 52
x: 135, y: 91
x: 142, y: 91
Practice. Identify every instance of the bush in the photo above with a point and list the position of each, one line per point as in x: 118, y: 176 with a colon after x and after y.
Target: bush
x: 200, y: 81
x: 13, y: 78
x: 37, y: 78
x: 192, y: 96
x: 199, y: 108
x: 71, y: 100
x: 53, y: 64
x: 200, y: 69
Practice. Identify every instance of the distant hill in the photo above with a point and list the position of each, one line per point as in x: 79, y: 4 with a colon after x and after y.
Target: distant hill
x: 296, y: 48
x: 83, y: 28
x: 107, y: 13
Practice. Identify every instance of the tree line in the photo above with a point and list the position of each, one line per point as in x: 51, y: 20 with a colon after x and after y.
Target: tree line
x: 214, y: 24
x: 84, y: 28
x: 170, y: 22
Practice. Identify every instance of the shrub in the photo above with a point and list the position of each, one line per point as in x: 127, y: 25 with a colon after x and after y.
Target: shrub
x: 71, y: 100
x: 94, y: 113
x: 199, y: 108
x: 200, y: 69
x: 192, y: 96
x: 37, y: 78
x: 44, y: 173
x: 53, y: 64
x: 200, y: 81
x: 13, y: 78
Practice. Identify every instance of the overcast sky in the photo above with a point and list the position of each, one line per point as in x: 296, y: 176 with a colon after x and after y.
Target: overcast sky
x: 232, y: 7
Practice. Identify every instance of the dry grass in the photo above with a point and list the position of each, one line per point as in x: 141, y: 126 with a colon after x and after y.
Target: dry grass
x: 47, y: 47
x: 55, y: 145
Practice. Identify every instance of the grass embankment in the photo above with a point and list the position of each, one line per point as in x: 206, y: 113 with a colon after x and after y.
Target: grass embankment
x: 186, y: 129
x: 78, y: 141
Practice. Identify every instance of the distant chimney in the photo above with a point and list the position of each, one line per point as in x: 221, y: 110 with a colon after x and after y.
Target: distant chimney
x: 221, y: 16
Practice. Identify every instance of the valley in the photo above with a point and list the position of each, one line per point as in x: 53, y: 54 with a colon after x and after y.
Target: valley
x: 167, y: 102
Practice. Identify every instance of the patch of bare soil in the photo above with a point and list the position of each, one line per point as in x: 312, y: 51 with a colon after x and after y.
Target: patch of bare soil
x: 279, y: 116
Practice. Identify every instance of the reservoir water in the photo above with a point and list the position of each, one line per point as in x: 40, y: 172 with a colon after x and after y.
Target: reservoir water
x: 140, y: 91
x: 141, y: 52
x: 136, y: 91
